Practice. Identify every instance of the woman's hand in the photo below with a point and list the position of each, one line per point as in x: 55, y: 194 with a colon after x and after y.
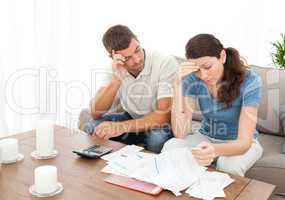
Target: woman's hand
x: 204, y: 153
x: 185, y: 69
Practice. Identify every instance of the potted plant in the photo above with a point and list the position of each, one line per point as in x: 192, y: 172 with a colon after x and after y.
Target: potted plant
x: 278, y: 56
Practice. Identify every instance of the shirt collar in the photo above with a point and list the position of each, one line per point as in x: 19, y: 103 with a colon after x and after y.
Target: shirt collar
x: 147, y: 66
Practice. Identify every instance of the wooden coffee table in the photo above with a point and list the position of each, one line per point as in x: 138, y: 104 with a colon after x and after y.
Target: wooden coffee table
x: 83, y: 180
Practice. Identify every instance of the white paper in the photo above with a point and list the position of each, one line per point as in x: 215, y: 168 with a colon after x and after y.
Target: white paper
x: 210, y: 185
x: 173, y: 170
x: 123, y: 152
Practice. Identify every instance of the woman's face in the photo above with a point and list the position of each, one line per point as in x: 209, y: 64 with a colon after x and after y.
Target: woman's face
x: 211, y: 68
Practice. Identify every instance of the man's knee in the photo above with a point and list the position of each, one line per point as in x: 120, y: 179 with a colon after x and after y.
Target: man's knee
x: 89, y: 127
x: 156, y: 138
x: 174, y: 143
x: 230, y: 165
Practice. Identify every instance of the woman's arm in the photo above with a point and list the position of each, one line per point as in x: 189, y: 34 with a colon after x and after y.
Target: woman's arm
x: 181, y: 112
x: 182, y: 107
x: 206, y: 152
x: 247, y: 124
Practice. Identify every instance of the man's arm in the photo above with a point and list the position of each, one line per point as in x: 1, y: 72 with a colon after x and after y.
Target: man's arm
x: 151, y: 120
x: 104, y: 98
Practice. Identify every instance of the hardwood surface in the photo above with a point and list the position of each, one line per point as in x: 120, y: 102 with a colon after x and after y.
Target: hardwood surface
x: 82, y: 178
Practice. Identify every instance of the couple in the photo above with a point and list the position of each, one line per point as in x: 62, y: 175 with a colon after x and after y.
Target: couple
x: 148, y: 91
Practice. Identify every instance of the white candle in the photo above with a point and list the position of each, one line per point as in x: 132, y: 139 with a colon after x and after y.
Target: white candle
x: 45, y: 179
x: 9, y: 148
x: 44, y: 138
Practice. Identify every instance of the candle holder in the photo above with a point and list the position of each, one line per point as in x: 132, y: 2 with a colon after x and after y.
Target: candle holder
x: 35, y: 155
x: 20, y: 158
x: 33, y: 191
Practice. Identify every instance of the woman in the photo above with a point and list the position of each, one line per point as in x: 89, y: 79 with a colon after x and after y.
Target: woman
x: 228, y: 95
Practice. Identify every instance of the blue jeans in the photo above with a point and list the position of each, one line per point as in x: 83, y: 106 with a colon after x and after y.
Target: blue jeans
x: 152, y: 139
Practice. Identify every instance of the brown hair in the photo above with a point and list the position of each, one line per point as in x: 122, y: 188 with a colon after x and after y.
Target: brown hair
x: 234, y: 68
x: 117, y: 37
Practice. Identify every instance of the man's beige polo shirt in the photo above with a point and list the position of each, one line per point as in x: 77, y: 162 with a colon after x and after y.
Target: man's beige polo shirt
x: 138, y: 96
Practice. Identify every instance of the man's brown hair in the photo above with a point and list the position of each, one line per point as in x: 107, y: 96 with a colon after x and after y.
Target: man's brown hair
x: 117, y: 38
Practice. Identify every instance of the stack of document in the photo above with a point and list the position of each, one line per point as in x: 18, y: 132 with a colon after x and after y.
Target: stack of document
x: 125, y: 160
x: 210, y: 186
x: 174, y: 170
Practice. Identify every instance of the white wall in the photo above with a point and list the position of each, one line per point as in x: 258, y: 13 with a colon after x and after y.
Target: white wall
x: 65, y: 36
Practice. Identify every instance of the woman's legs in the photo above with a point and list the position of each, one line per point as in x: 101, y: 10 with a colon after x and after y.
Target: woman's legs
x: 238, y: 165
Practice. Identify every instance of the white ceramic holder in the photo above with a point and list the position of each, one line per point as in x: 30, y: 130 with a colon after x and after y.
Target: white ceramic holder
x: 35, y: 155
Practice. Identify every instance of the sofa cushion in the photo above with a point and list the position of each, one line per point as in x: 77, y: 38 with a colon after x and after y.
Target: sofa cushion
x: 273, y: 96
x: 271, y: 156
x: 271, y: 167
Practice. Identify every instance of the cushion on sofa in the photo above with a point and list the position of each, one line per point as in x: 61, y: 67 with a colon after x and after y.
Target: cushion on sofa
x: 273, y: 96
x: 271, y: 156
x: 271, y: 166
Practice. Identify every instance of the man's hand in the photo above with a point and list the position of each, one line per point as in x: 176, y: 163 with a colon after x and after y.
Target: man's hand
x: 107, y: 130
x: 204, y: 153
x: 118, y: 63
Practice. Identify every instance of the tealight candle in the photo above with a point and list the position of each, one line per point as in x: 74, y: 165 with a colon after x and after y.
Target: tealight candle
x: 46, y: 179
x: 44, y: 138
x: 9, y: 148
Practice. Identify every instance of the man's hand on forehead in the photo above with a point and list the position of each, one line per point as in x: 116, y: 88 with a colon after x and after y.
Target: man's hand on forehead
x: 118, y: 57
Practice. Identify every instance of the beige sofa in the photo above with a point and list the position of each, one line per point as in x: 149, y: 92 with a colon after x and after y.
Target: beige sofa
x: 271, y: 167
x: 271, y: 124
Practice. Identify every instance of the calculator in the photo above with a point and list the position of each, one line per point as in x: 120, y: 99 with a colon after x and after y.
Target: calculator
x: 93, y: 152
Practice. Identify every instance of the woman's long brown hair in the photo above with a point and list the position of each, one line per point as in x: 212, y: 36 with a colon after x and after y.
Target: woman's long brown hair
x: 234, y: 69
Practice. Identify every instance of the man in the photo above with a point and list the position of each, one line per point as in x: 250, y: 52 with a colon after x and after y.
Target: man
x: 141, y: 85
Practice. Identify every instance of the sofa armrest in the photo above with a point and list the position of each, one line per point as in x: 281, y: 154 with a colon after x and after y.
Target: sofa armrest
x: 84, y: 117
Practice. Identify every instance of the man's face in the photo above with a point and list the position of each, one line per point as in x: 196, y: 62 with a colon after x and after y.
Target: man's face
x: 134, y: 57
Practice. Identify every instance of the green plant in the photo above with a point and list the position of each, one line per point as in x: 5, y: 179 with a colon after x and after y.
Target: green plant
x: 278, y: 56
